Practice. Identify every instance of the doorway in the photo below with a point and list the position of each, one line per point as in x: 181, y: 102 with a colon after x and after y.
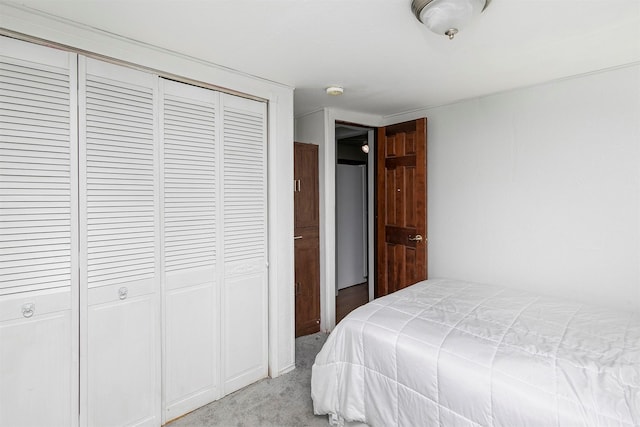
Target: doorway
x: 354, y: 224
x: 319, y: 128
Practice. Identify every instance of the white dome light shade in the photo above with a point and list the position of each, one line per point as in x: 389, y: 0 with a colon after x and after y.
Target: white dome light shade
x: 449, y: 16
x: 334, y: 90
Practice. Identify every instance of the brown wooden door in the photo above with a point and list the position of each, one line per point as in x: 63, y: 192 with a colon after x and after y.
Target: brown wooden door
x: 401, y: 206
x: 307, y: 239
x: 305, y: 172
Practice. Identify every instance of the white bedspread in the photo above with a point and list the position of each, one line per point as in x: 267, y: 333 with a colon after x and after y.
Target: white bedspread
x: 452, y: 353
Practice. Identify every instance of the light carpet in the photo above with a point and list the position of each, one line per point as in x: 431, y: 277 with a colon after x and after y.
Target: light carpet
x: 283, y: 402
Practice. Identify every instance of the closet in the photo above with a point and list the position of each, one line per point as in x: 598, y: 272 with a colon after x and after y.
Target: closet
x: 133, y: 252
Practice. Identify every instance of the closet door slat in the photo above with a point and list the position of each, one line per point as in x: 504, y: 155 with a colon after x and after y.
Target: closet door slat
x: 36, y: 149
x: 109, y: 155
x: 196, y: 124
x: 245, y: 197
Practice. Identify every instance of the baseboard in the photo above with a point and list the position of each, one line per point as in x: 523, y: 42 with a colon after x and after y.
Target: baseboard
x: 287, y: 369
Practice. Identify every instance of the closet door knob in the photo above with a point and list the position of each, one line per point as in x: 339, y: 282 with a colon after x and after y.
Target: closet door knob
x: 28, y: 309
x: 123, y: 292
x: 416, y: 238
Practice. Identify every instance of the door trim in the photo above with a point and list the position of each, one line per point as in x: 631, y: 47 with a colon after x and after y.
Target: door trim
x: 319, y: 128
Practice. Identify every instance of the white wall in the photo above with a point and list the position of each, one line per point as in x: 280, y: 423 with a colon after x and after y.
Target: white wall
x: 351, y: 225
x: 539, y: 188
x: 280, y: 147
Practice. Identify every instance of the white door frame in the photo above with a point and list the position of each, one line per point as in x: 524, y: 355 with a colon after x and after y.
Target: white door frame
x: 328, y: 208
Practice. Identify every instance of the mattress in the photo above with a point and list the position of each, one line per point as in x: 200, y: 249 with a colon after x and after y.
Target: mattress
x: 452, y: 353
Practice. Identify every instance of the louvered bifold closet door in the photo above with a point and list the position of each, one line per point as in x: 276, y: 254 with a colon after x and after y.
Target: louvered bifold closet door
x: 244, y: 293
x: 38, y: 236
x: 119, y: 226
x: 189, y: 117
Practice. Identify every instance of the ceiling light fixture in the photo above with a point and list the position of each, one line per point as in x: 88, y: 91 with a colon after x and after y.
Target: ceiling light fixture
x: 447, y: 16
x: 335, y: 90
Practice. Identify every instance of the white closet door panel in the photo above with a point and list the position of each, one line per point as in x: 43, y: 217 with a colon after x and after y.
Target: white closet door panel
x: 191, y: 374
x: 36, y: 383
x: 37, y: 167
x: 245, y: 183
x: 190, y: 176
x: 122, y: 353
x: 105, y: 294
x: 37, y: 386
x: 120, y: 240
x: 189, y: 119
x: 244, y: 293
x: 245, y: 336
x: 38, y: 235
x: 119, y: 153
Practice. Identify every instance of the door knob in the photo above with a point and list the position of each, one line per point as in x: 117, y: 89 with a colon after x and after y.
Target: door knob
x: 416, y: 238
x: 28, y: 309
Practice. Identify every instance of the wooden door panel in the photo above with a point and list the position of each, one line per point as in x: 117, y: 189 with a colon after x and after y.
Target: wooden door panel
x: 307, y: 290
x: 410, y: 266
x: 409, y: 144
x: 409, y: 218
x: 400, y: 236
x: 391, y: 212
x: 307, y: 243
x: 401, y: 206
x: 401, y: 265
x: 306, y: 195
x: 394, y: 268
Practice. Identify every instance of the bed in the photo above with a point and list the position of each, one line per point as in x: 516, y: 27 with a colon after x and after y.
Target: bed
x: 452, y: 353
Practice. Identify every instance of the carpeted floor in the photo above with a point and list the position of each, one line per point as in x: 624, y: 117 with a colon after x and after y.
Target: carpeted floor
x: 283, y: 402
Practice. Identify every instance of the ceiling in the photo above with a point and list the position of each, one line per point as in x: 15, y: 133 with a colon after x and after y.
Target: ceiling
x: 348, y: 133
x: 386, y: 60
